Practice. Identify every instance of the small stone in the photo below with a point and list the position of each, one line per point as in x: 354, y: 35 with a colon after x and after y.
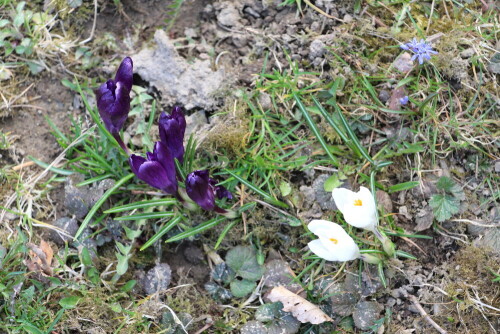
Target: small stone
x: 250, y: 11
x: 384, y: 201
x: 365, y: 314
x: 157, y: 279
x: 403, y: 63
x: 322, y: 197
x: 265, y: 101
x: 403, y: 211
x: 348, y: 18
x: 384, y: 95
x: 497, y: 166
x: 278, y: 273
x: 69, y: 228
x: 494, y: 65
x: 316, y: 49
x: 467, y: 53
x: 76, y: 199
x: 253, y: 327
x: 229, y: 15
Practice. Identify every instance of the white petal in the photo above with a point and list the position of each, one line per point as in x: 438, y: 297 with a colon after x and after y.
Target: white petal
x: 342, y: 197
x: 367, y: 197
x: 317, y: 247
x: 320, y: 227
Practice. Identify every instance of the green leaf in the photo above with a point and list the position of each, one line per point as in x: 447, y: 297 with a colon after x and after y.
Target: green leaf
x: 131, y: 234
x: 444, y: 206
x: 142, y: 205
x: 445, y: 183
x: 163, y: 230
x: 69, y: 302
x: 115, y: 307
x: 129, y: 285
x: 241, y: 288
x: 403, y: 186
x: 243, y: 260
x: 285, y: 188
x: 122, y: 266
x: 85, y: 257
x: 197, y: 229
x: 332, y: 182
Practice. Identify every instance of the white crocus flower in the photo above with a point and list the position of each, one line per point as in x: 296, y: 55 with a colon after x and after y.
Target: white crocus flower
x: 359, y: 209
x: 334, y: 244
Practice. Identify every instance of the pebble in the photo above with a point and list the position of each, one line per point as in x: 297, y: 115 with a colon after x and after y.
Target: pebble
x: 68, y: 226
x: 365, y: 314
x: 316, y: 49
x: 157, y: 279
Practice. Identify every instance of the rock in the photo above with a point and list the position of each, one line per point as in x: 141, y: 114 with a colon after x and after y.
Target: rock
x: 316, y: 49
x: 348, y: 18
x: 384, y: 96
x: 403, y: 63
x: 253, y: 327
x: 265, y: 101
x: 157, y: 279
x: 424, y: 219
x: 365, y: 314
x: 322, y: 197
x: 69, y: 228
x: 497, y: 166
x: 85, y: 241
x: 384, y: 201
x: 278, y: 273
x: 467, y: 53
x: 494, y: 65
x: 229, y: 15
x: 308, y: 195
x: 193, y: 85
x: 76, y: 199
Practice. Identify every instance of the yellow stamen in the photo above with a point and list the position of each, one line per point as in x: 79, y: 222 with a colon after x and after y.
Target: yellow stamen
x: 335, y: 241
x: 358, y: 202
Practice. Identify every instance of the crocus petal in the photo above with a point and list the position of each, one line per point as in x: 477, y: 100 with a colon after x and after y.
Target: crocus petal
x: 125, y: 73
x: 199, y: 189
x: 317, y: 247
x: 113, y: 103
x: 136, y: 162
x: 165, y: 158
x: 341, y: 196
x: 334, y: 244
x: 153, y: 173
x: 172, y: 128
x: 359, y: 208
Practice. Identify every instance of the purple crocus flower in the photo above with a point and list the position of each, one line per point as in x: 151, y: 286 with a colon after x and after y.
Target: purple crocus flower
x: 113, y: 99
x: 202, y: 189
x: 172, y: 128
x: 422, y: 50
x: 158, y: 170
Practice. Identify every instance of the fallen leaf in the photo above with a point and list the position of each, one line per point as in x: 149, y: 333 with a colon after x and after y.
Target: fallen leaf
x: 41, y: 258
x: 301, y: 309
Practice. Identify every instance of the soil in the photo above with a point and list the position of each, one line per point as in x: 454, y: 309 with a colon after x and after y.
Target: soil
x: 244, y: 35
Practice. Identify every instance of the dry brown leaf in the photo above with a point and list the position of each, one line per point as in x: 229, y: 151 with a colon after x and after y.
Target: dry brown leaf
x: 301, y: 309
x: 41, y: 257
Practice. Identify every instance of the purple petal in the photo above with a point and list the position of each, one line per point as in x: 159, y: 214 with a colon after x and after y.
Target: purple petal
x: 222, y: 192
x: 404, y: 47
x: 125, y: 73
x: 172, y: 128
x: 135, y: 162
x: 153, y: 173
x: 165, y: 158
x: 199, y: 189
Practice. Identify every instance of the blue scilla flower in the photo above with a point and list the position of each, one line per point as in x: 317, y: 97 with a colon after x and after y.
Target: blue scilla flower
x: 422, y: 50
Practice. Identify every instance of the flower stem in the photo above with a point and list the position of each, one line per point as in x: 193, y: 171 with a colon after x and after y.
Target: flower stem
x: 120, y: 142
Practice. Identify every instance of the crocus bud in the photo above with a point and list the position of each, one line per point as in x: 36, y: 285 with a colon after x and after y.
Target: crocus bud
x: 358, y: 208
x: 158, y: 170
x: 368, y: 258
x: 334, y: 244
x: 113, y: 97
x: 200, y: 190
x: 172, y: 128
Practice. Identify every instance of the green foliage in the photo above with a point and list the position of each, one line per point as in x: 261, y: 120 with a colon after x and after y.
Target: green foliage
x: 446, y: 204
x: 243, y: 260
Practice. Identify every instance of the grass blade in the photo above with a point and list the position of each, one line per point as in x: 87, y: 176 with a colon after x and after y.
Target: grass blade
x: 403, y: 186
x: 262, y: 193
x: 147, y: 215
x: 163, y: 230
x: 52, y: 169
x: 197, y: 229
x: 224, y: 232
x: 98, y: 204
x: 142, y: 205
x: 315, y: 130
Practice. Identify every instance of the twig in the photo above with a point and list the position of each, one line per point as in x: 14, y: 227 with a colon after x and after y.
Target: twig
x: 425, y: 315
x: 322, y: 12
